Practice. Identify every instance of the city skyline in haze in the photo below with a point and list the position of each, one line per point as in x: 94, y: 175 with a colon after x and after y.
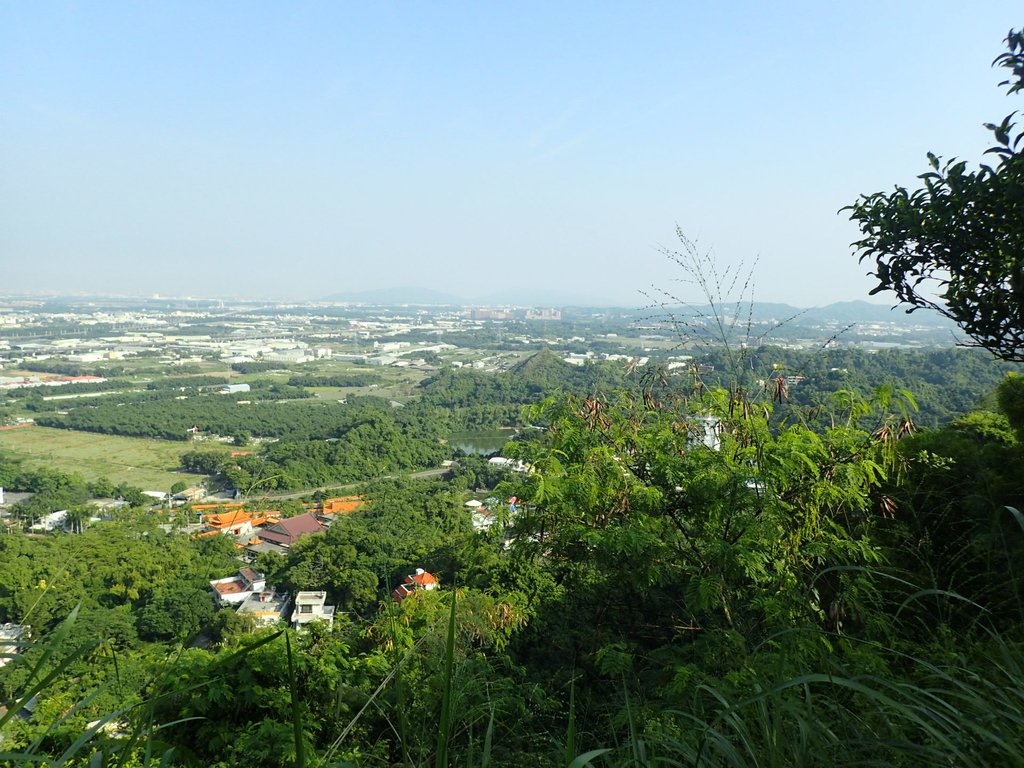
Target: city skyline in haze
x: 313, y: 149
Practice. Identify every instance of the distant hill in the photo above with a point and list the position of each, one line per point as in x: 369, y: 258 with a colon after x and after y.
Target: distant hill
x: 540, y: 367
x: 545, y: 372
x: 536, y: 297
x: 544, y: 297
x: 395, y: 296
x: 866, y: 312
x: 841, y: 312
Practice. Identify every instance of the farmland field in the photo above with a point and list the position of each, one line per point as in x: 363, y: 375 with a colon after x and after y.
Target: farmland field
x: 401, y: 384
x: 147, y: 464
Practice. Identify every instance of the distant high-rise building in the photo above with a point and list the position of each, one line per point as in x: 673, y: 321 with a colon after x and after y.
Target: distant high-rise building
x: 490, y: 314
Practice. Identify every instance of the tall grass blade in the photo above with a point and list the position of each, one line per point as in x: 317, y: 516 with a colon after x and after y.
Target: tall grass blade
x: 83, y: 738
x: 588, y: 757
x: 340, y: 739
x: 570, y: 734
x: 485, y: 758
x: 1016, y: 516
x: 55, y: 641
x: 14, y: 758
x: 293, y: 686
x: 635, y: 745
x: 445, y: 726
x: 400, y: 692
x: 938, y: 592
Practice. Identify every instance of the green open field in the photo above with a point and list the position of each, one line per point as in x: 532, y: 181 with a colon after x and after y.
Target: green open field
x: 144, y: 463
x: 400, y: 384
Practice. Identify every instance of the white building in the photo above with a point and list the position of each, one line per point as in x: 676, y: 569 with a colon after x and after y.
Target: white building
x: 11, y: 638
x: 501, y: 461
x: 483, y: 519
x: 311, y: 606
x: 709, y: 434
x: 235, y: 589
x: 288, y: 356
x: 266, y: 607
x: 51, y: 522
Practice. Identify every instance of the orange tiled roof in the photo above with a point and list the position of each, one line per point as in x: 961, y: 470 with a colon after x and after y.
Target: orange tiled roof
x: 413, y: 582
x: 228, y: 519
x: 343, y: 504
x: 423, y: 579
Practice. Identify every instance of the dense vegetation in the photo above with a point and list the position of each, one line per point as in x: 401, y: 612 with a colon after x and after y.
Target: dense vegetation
x: 336, y: 380
x: 478, y: 400
x: 653, y: 592
x: 367, y: 439
x: 256, y: 367
x: 73, y: 369
x: 52, y: 490
x: 170, y: 412
x: 946, y: 383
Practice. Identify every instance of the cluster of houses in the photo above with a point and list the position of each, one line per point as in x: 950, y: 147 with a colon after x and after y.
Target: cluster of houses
x: 45, y: 380
x: 485, y: 512
x: 259, y: 532
x: 250, y: 595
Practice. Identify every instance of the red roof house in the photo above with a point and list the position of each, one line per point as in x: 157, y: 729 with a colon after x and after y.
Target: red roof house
x: 421, y: 580
x: 286, y: 532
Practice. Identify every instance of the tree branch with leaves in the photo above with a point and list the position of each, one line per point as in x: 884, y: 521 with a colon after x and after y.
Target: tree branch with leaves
x: 956, y: 244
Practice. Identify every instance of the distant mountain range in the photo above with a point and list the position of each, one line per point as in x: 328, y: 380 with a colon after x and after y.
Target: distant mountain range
x: 841, y: 311
x: 393, y: 296
x: 537, y: 297
x: 866, y: 312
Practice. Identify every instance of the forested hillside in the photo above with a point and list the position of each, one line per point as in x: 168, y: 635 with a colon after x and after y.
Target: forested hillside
x: 706, y: 564
x: 792, y: 591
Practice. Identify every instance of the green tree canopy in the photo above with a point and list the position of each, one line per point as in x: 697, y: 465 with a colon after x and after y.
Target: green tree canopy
x: 956, y: 245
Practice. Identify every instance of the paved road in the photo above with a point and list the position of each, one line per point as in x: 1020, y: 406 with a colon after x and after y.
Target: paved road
x: 422, y: 475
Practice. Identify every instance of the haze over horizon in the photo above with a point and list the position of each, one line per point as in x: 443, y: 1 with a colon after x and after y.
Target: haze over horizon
x: 413, y: 296
x: 300, y: 151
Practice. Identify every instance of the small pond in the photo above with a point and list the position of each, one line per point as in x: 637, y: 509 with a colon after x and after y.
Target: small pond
x: 482, y: 441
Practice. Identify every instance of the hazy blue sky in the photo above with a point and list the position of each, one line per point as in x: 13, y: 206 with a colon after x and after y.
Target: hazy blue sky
x: 297, y: 149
